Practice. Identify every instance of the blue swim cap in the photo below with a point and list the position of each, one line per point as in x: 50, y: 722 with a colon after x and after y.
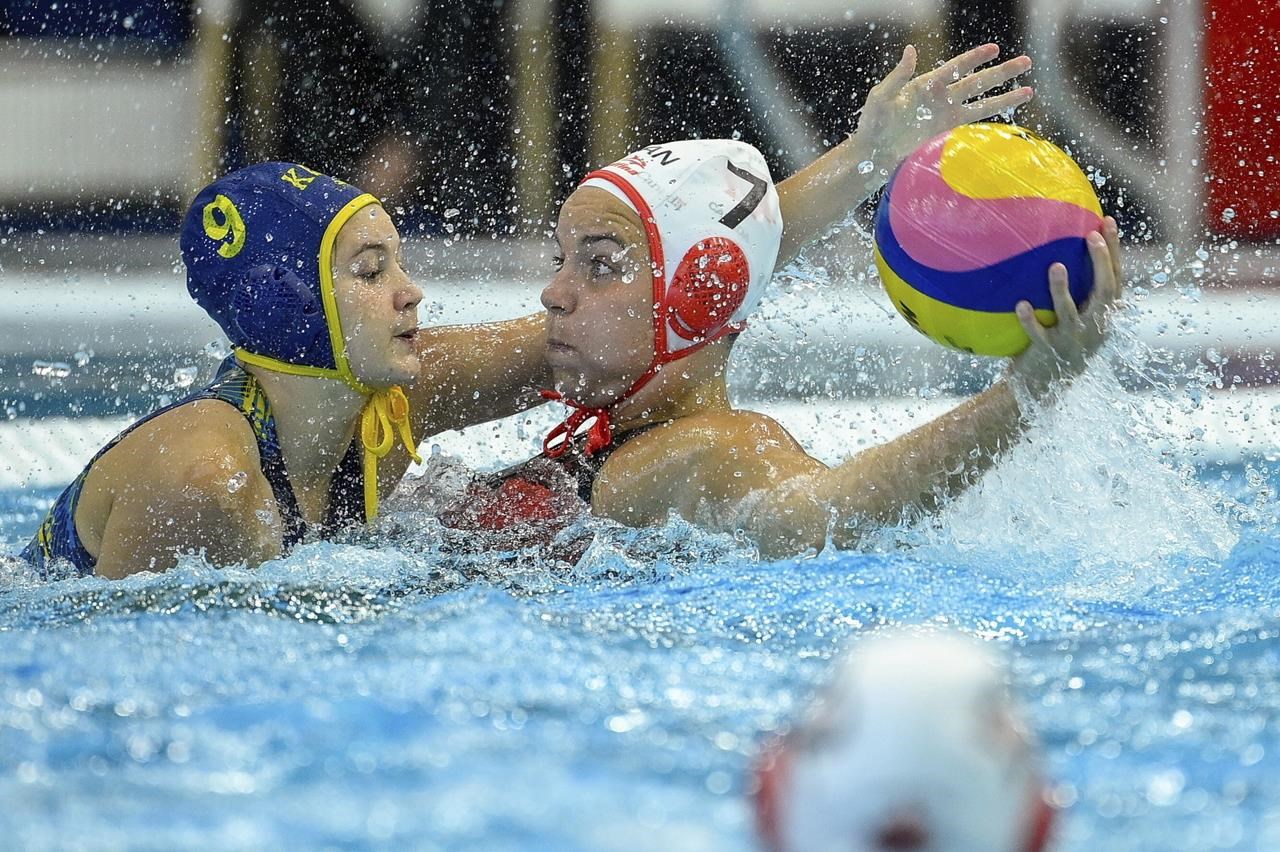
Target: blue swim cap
x: 258, y: 247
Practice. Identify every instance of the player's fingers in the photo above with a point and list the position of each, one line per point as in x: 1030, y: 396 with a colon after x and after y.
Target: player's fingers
x: 1060, y: 289
x: 958, y: 66
x: 1030, y: 324
x: 987, y: 107
x: 1111, y: 231
x: 901, y: 73
x: 989, y: 78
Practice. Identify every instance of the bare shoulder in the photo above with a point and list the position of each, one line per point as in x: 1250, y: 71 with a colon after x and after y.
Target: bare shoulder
x: 715, y: 457
x: 709, y: 437
x: 196, y: 445
x: 186, y: 462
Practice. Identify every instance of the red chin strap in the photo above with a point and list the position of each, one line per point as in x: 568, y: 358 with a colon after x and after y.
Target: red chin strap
x: 599, y: 433
x: 771, y: 771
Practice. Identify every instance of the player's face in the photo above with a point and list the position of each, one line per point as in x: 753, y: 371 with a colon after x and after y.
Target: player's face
x: 600, y: 300
x: 377, y: 303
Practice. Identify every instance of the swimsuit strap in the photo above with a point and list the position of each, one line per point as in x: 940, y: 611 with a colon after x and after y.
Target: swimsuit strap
x: 235, y: 386
x: 582, y: 467
x: 240, y: 388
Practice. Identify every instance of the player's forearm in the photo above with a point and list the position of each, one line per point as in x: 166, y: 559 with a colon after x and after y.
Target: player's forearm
x: 474, y: 374
x: 513, y: 368
x: 825, y: 192
x: 919, y: 470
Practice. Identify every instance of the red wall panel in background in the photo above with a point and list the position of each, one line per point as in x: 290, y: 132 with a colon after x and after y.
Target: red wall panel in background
x: 1242, y: 122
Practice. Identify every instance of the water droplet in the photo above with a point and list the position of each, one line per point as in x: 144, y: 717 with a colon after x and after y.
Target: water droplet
x: 184, y: 376
x: 82, y: 357
x: 217, y: 350
x: 236, y: 482
x: 866, y: 167
x: 628, y: 277
x: 1099, y: 179
x: 50, y: 369
x: 923, y: 113
x: 1165, y: 787
x: 451, y: 212
x: 1228, y: 214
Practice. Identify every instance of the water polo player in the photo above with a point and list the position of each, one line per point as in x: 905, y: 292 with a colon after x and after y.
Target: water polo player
x: 663, y: 256
x: 307, y: 423
x: 301, y: 272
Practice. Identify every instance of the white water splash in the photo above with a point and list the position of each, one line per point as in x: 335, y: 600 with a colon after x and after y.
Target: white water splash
x: 1088, y: 498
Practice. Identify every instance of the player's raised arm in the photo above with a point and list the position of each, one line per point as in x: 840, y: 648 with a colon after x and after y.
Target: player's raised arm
x: 900, y: 112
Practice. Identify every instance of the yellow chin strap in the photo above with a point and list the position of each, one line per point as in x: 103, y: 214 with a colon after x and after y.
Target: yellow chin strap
x: 385, y: 416
x: 386, y: 413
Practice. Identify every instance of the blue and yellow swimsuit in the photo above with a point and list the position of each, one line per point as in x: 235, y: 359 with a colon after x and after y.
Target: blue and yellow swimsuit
x: 57, y: 540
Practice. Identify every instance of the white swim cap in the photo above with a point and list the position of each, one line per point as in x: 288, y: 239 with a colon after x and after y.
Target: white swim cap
x: 711, y: 215
x: 712, y: 221
x: 915, y: 746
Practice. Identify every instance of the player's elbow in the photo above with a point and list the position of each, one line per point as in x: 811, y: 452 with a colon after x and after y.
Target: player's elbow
x: 788, y: 521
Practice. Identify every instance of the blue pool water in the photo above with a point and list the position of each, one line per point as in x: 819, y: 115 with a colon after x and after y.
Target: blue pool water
x: 394, y: 692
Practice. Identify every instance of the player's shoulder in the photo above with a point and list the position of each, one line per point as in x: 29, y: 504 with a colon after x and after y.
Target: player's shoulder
x: 728, y: 432
x: 704, y: 440
x: 201, y: 446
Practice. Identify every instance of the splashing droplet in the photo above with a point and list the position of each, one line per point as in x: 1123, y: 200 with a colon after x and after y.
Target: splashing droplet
x: 236, y: 482
x: 866, y: 167
x: 923, y: 113
x: 184, y: 376
x: 217, y: 350
x: 50, y: 369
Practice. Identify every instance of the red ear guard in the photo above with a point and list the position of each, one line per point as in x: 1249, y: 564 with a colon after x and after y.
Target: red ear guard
x: 708, y: 286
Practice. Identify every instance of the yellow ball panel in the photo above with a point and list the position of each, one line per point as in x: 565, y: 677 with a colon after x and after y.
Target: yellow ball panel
x: 980, y: 332
x: 993, y: 160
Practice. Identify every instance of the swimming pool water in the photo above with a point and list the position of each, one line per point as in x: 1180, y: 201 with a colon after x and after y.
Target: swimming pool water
x: 391, y: 692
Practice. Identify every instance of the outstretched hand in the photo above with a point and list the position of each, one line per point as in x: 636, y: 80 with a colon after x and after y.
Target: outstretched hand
x: 903, y: 111
x: 1060, y: 351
